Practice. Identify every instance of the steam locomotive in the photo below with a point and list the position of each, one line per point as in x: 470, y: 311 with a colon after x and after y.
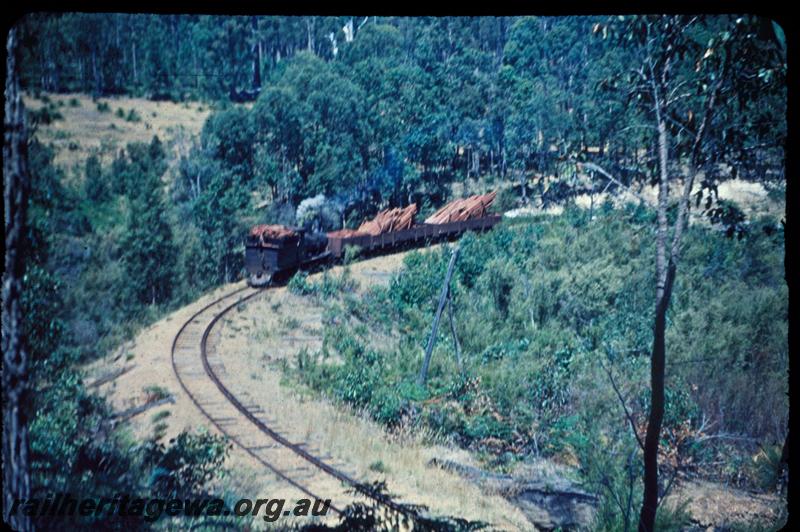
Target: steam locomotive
x: 274, y: 252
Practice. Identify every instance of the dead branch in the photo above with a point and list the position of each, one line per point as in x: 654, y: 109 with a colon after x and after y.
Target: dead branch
x: 624, y: 406
x: 110, y: 376
x: 136, y: 410
x: 602, y: 171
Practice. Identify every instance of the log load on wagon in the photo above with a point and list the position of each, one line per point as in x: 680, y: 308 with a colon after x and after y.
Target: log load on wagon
x: 273, y: 251
x: 272, y: 235
x: 463, y: 209
x: 390, y: 220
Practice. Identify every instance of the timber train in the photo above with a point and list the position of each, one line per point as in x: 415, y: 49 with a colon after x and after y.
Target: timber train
x: 273, y: 252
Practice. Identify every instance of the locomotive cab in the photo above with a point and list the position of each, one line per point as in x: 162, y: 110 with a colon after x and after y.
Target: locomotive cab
x: 275, y: 250
x: 269, y: 250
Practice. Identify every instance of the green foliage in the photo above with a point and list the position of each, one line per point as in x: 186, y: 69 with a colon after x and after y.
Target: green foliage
x: 187, y: 465
x: 327, y: 287
x: 103, y: 107
x: 148, y: 252
x: 159, y: 416
x: 73, y: 447
x: 299, y: 284
x: 399, y: 110
x: 45, y: 115
x: 506, y: 200
x: 133, y: 116
x: 351, y: 253
x: 537, y: 304
x: 419, y: 284
x: 95, y: 184
x: 378, y: 467
x: 767, y: 468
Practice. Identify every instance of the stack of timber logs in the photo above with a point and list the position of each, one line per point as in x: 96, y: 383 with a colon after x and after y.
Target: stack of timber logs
x: 463, y: 209
x: 390, y: 220
x: 276, y: 232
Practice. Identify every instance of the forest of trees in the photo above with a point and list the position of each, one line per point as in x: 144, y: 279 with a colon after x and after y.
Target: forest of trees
x: 369, y: 112
x: 395, y: 106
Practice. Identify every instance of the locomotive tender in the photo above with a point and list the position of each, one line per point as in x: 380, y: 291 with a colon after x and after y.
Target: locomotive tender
x: 274, y: 251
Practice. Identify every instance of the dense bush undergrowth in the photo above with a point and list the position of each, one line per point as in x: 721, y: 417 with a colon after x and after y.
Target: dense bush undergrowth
x: 99, y: 265
x: 547, y: 312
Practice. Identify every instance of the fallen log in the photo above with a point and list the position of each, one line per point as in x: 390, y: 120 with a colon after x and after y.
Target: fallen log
x: 136, y: 410
x: 110, y: 376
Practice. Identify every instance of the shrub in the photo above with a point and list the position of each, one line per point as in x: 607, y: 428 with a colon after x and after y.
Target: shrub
x: 46, y: 115
x: 185, y: 467
x: 95, y: 184
x: 133, y: 116
x: 299, y: 284
x: 351, y: 253
x: 506, y: 200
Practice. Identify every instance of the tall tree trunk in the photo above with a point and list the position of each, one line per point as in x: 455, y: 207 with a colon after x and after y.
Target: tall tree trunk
x: 310, y: 33
x: 95, y: 73
x: 133, y: 54
x: 456, y: 343
x: 16, y: 476
x: 256, y: 56
x: 423, y: 373
x: 664, y: 276
x: 133, y: 37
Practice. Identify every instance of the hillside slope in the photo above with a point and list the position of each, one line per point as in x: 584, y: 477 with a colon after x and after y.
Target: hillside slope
x: 85, y: 128
x: 252, y: 360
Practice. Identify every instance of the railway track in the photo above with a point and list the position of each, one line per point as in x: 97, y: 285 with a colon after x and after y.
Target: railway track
x: 244, y: 423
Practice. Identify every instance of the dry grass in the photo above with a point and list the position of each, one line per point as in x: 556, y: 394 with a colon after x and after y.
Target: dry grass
x: 85, y: 130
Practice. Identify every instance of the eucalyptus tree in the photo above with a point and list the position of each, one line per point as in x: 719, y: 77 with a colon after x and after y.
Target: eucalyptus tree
x: 148, y: 250
x: 687, y: 76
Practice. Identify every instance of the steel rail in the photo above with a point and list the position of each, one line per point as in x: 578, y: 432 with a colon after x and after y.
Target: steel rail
x: 359, y: 487
x: 313, y: 460
x: 196, y: 402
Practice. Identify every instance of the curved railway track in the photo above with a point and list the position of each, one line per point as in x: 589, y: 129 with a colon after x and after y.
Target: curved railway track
x: 246, y: 425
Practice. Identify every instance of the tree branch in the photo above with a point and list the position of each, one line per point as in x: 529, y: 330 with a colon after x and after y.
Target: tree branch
x: 624, y: 406
x: 683, y: 208
x: 599, y: 169
x: 669, y: 485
